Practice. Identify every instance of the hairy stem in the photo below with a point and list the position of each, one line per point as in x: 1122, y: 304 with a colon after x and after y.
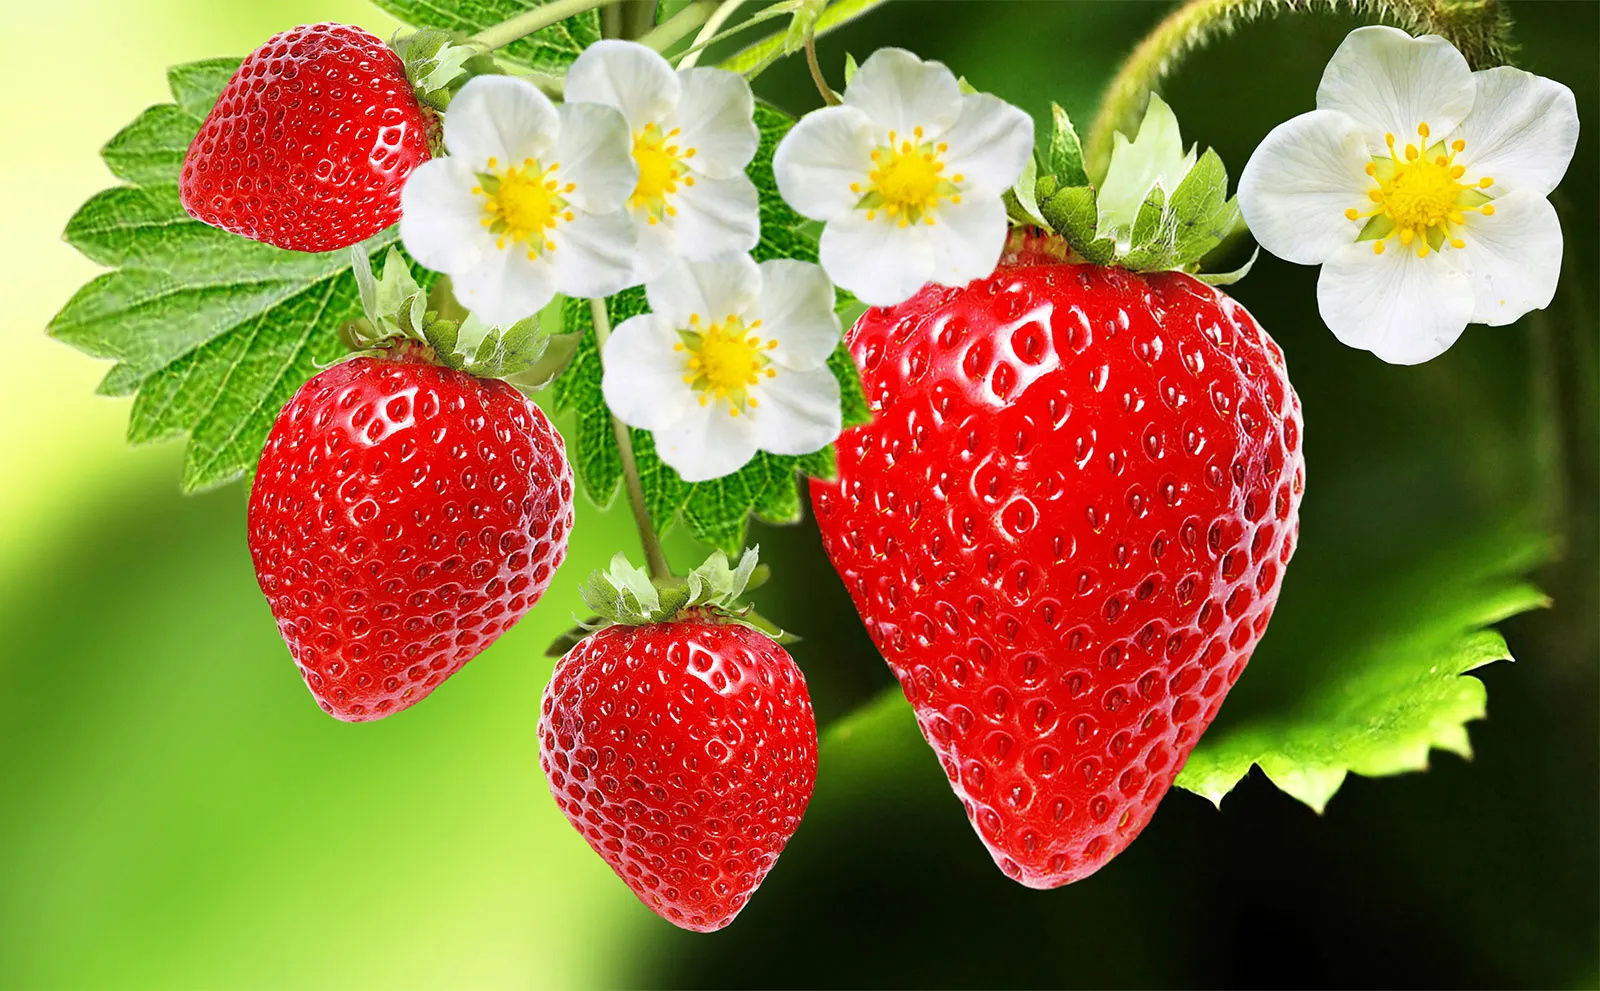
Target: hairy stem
x: 655, y: 558
x: 1480, y: 29
x: 536, y: 19
x: 708, y: 33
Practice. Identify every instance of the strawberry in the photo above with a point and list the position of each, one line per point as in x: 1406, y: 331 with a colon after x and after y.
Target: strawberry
x: 1065, y: 529
x: 309, y: 143
x: 685, y: 752
x: 403, y: 516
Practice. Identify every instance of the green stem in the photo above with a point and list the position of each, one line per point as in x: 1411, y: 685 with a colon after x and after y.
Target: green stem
x: 1480, y: 29
x: 536, y: 19
x: 708, y: 33
x: 828, y: 95
x: 672, y: 30
x: 655, y: 558
x: 753, y: 60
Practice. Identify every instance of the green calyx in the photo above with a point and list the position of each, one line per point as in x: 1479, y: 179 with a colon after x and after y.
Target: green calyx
x: 624, y: 595
x: 438, y: 63
x: 1159, y: 208
x: 398, y: 310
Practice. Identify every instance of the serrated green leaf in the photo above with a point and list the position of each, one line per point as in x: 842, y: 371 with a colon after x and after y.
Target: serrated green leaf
x: 1066, y: 152
x: 1201, y: 211
x: 549, y: 50
x: 1380, y: 685
x: 717, y: 512
x: 1373, y: 695
x: 213, y: 331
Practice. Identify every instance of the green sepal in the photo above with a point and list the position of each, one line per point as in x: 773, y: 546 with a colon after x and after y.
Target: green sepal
x: 1229, y: 278
x: 1066, y: 151
x: 1022, y: 205
x: 438, y: 63
x: 850, y: 67
x: 1071, y: 212
x: 622, y: 594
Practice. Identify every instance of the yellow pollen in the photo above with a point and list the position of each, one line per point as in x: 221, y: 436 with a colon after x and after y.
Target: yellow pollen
x: 661, y: 169
x: 521, y: 204
x: 907, y: 181
x: 1419, y: 197
x: 724, y: 360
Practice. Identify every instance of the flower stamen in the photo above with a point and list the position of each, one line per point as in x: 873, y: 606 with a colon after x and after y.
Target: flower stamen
x: 724, y: 361
x: 661, y: 160
x: 523, y: 203
x: 908, y: 180
x: 1419, y: 196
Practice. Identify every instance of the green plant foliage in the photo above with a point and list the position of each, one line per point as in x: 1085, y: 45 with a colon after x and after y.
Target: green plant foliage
x: 716, y: 512
x: 1373, y: 694
x: 549, y: 50
x: 213, y: 332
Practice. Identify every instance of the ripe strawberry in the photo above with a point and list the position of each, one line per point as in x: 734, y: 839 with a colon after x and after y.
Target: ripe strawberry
x: 685, y: 753
x: 1065, y: 529
x: 403, y: 516
x: 309, y: 143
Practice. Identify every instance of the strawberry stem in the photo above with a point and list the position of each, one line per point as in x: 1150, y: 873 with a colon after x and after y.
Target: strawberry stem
x: 655, y: 557
x: 828, y: 95
x: 1480, y: 29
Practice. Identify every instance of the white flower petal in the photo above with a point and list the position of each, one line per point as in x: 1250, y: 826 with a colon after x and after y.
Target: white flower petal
x: 593, y: 254
x: 796, y: 310
x: 819, y: 159
x: 1522, y: 131
x: 710, y: 290
x: 625, y: 75
x: 643, y: 380
x: 1390, y: 82
x: 901, y: 92
x: 596, y: 156
x: 879, y: 261
x: 799, y: 411
x: 441, y: 222
x: 499, y: 117
x: 1513, y: 258
x: 716, y: 118
x: 707, y: 442
x: 989, y: 143
x: 657, y: 245
x: 505, y: 285
x: 716, y: 217
x: 967, y: 239
x: 1402, y: 308
x: 1299, y: 182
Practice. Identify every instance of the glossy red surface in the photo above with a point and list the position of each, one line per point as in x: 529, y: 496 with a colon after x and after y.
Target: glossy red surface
x: 403, y: 516
x: 685, y: 753
x: 310, y: 142
x: 1065, y: 530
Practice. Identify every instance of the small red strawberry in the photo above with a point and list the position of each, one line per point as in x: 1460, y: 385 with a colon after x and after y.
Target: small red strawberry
x: 309, y: 143
x: 1065, y: 529
x: 684, y: 750
x: 403, y: 516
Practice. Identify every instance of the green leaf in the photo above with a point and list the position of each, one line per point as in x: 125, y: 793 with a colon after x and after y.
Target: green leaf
x: 1072, y: 214
x: 1375, y: 692
x: 1201, y: 210
x: 1379, y: 684
x: 213, y: 332
x: 1229, y: 278
x: 1066, y: 152
x: 1022, y: 204
x: 717, y: 512
x: 549, y: 50
x: 1155, y: 159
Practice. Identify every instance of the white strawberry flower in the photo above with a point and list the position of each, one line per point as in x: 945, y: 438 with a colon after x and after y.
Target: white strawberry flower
x: 1420, y: 188
x: 907, y: 175
x: 732, y: 359
x: 693, y: 135
x: 528, y: 202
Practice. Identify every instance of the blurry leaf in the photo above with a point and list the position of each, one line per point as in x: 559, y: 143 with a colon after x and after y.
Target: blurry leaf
x: 213, y: 331
x: 717, y: 512
x: 550, y: 50
x: 1383, y: 683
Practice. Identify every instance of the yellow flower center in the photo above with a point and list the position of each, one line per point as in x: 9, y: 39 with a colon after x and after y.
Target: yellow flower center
x: 663, y: 164
x: 722, y: 361
x: 907, y: 180
x: 1419, y: 197
x: 523, y: 203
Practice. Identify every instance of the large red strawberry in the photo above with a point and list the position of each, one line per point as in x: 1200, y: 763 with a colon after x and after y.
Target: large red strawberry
x: 403, y: 516
x: 685, y: 752
x: 1065, y: 529
x: 309, y: 143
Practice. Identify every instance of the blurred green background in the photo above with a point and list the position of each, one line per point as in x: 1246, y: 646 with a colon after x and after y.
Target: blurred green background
x: 176, y: 813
